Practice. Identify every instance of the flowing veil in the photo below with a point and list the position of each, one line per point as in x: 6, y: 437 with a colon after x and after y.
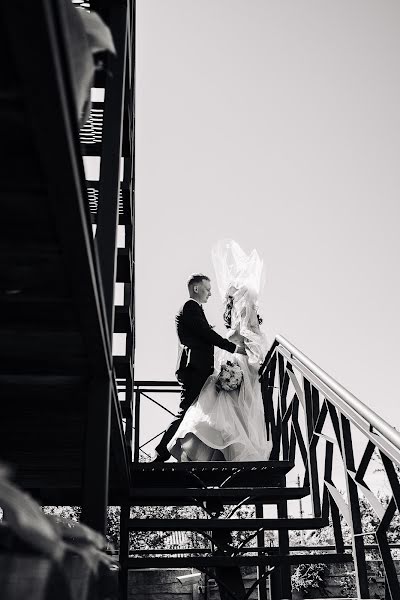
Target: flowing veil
x: 233, y: 267
x: 240, y: 276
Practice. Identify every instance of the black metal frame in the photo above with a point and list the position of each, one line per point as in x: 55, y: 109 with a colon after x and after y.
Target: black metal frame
x: 300, y: 399
x: 303, y: 405
x: 320, y: 401
x: 114, y: 206
x: 142, y: 391
x: 91, y: 265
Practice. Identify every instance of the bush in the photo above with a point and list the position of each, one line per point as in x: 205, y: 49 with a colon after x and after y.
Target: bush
x: 306, y: 577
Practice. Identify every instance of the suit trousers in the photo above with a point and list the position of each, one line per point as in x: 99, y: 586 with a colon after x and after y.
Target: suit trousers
x: 192, y: 381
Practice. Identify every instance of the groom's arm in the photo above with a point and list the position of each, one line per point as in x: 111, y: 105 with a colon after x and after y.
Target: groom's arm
x: 195, y: 321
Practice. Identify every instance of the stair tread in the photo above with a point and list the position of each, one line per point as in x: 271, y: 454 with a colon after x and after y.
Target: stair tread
x: 232, y: 524
x: 214, y: 466
x: 232, y: 474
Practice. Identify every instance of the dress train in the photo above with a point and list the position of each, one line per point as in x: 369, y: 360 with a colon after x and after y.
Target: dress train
x: 222, y: 425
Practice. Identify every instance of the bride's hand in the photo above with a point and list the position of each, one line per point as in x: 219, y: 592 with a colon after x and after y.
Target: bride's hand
x: 240, y: 350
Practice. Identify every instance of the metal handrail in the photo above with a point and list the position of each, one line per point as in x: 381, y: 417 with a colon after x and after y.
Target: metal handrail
x: 389, y: 432
x: 343, y: 409
x: 142, y: 384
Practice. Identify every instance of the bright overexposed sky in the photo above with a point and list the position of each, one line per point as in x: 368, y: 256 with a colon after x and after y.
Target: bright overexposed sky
x: 277, y: 124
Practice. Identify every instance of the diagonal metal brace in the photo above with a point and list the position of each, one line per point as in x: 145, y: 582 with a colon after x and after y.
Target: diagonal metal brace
x: 158, y: 403
x: 264, y: 575
x: 238, y: 549
x: 237, y: 472
x: 237, y: 506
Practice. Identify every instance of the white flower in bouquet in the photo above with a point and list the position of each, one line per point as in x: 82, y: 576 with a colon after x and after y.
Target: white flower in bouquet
x: 230, y: 377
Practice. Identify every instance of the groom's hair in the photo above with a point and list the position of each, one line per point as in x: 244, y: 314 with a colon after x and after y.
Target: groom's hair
x: 196, y: 278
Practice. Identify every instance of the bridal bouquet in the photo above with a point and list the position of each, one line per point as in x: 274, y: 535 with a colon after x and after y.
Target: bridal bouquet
x: 230, y: 377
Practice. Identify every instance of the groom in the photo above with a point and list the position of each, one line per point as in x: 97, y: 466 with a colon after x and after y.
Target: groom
x: 196, y: 355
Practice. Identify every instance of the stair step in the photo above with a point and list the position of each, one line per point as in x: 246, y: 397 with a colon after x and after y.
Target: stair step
x: 231, y: 524
x: 181, y: 475
x: 124, y: 265
x: 123, y: 367
x: 123, y: 319
x: 229, y: 561
x: 23, y: 313
x: 188, y: 496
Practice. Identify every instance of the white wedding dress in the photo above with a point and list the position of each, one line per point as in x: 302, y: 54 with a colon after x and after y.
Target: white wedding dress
x: 230, y: 425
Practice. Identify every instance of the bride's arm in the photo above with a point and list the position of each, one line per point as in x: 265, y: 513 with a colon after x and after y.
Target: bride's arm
x: 235, y: 337
x: 249, y: 335
x: 245, y: 328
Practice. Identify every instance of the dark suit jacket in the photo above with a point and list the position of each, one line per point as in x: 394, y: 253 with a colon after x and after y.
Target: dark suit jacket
x: 197, y: 340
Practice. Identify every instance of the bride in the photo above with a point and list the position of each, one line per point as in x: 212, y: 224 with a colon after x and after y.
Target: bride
x: 226, y: 423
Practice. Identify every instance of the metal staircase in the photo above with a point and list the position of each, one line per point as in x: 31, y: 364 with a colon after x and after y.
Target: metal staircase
x: 319, y: 430
x: 62, y: 426
x: 58, y: 320
x: 230, y: 484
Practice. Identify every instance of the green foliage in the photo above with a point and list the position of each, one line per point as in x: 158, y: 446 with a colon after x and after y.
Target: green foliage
x: 154, y: 540
x: 244, y: 512
x: 348, y: 586
x: 112, y: 533
x: 369, y: 520
x: 145, y: 540
x: 306, y: 577
x: 67, y: 512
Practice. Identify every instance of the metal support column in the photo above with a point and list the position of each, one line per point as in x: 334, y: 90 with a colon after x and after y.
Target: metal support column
x: 97, y: 456
x: 107, y: 215
x: 283, y: 537
x: 124, y: 550
x: 137, y: 427
x: 262, y: 591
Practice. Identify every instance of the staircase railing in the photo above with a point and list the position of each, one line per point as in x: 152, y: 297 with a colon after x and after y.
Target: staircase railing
x: 304, y: 406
